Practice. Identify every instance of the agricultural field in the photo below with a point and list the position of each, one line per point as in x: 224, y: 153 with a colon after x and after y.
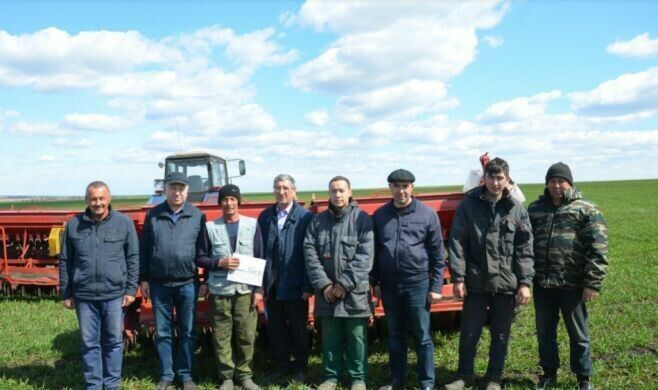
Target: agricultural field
x: 39, y: 338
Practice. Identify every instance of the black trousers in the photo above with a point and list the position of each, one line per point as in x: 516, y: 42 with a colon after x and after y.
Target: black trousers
x: 287, y: 334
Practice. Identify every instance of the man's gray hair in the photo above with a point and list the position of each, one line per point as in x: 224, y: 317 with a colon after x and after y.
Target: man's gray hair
x: 96, y: 184
x: 284, y: 177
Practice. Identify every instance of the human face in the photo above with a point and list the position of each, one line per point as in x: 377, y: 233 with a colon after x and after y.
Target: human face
x: 284, y: 192
x: 496, y: 184
x: 401, y: 192
x: 176, y: 194
x: 339, y: 193
x: 98, y: 200
x: 229, y: 206
x: 557, y: 186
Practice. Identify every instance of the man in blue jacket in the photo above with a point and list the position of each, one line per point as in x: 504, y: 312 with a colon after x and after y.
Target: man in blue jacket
x: 408, y: 276
x: 168, y: 276
x: 98, y: 272
x: 286, y: 285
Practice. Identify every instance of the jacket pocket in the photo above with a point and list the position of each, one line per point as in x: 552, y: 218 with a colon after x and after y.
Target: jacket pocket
x: 507, y: 232
x: 113, y: 244
x: 349, y: 247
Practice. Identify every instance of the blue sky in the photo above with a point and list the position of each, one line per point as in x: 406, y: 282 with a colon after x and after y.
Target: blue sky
x: 106, y: 90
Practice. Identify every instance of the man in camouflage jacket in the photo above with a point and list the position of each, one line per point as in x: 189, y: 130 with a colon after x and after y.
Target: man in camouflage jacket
x: 571, y: 244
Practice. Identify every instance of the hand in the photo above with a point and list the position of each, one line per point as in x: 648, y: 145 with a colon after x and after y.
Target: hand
x: 523, y: 295
x: 459, y: 289
x: 589, y: 294
x: 377, y: 291
x: 306, y: 296
x: 144, y: 288
x: 328, y: 293
x: 69, y: 303
x: 255, y: 299
x: 127, y: 300
x: 433, y: 297
x: 203, y: 290
x: 339, y: 291
x: 230, y: 263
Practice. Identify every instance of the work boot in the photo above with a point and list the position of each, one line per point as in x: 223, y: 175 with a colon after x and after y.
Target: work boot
x: 248, y: 384
x: 546, y: 382
x: 460, y: 383
x: 189, y: 385
x: 358, y: 386
x: 585, y: 385
x: 163, y: 385
x: 298, y: 377
x: 327, y: 385
x: 227, y: 384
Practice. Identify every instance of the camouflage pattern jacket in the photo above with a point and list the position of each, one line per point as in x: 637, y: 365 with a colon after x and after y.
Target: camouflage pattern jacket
x: 571, y: 242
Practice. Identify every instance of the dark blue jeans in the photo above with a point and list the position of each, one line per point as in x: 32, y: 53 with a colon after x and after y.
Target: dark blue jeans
x: 499, y: 310
x: 183, y: 299
x: 101, y: 341
x: 548, y: 305
x: 407, y: 309
x: 287, y: 334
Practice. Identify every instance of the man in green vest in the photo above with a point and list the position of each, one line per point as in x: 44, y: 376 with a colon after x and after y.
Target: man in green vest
x: 233, y: 306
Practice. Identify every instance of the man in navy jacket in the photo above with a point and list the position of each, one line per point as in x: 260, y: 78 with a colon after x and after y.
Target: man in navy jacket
x: 286, y: 285
x: 408, y: 276
x: 98, y: 271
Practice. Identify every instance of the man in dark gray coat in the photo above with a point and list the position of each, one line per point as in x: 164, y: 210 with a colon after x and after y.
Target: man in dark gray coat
x: 492, y: 270
x: 339, y: 250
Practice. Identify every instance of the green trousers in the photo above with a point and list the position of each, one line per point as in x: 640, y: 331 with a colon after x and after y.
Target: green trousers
x: 234, y: 322
x: 344, y: 345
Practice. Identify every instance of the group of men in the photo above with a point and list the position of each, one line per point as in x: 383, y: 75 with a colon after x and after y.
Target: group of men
x: 341, y: 255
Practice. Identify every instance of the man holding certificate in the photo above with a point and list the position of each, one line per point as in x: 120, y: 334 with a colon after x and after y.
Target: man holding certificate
x: 233, y: 305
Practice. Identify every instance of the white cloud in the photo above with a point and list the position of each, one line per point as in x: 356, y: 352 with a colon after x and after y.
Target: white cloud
x: 639, y: 47
x: 628, y: 94
x: 47, y: 158
x: 518, y: 108
x: 493, y: 40
x: 74, y: 143
x: 94, y: 122
x: 36, y: 129
x: 317, y: 117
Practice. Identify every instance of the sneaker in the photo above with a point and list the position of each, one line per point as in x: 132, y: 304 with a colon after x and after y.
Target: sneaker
x: 227, y: 384
x: 392, y: 386
x: 358, y: 386
x: 459, y: 384
x: 248, y: 384
x: 546, y: 382
x: 585, y: 385
x: 163, y: 385
x: 327, y: 385
x: 491, y: 385
x: 189, y: 385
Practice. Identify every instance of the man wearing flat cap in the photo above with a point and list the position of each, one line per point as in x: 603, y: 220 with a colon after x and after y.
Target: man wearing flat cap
x: 168, y: 276
x: 408, y: 276
x: 571, y: 245
x: 233, y: 306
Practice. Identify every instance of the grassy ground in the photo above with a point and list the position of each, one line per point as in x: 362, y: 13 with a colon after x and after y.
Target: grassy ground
x: 39, y: 338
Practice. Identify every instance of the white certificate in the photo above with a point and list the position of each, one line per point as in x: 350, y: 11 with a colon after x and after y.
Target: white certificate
x: 250, y: 271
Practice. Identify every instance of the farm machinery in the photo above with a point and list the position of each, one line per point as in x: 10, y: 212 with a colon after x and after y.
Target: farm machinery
x: 31, y: 239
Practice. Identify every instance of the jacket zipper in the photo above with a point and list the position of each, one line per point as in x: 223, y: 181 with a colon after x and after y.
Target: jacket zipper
x: 550, y: 237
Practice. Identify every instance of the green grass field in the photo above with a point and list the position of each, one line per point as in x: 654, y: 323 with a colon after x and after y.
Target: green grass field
x: 39, y: 338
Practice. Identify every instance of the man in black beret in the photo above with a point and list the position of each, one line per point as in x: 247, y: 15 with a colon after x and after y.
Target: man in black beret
x: 408, y: 276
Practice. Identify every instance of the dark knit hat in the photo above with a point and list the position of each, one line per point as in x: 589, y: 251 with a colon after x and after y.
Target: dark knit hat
x: 401, y: 176
x: 559, y: 169
x: 229, y: 190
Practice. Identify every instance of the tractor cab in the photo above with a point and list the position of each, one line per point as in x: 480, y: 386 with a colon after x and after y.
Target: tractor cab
x: 206, y: 174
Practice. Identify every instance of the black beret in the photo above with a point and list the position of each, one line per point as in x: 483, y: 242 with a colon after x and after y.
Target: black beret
x: 401, y: 175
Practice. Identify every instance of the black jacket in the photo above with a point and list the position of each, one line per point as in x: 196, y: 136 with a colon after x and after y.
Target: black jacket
x: 168, y: 249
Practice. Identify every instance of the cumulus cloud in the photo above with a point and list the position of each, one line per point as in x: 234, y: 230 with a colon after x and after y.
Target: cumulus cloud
x: 317, y: 117
x: 74, y: 143
x: 94, y: 122
x: 628, y: 94
x: 36, y: 129
x: 640, y: 46
x: 493, y: 40
x: 518, y: 108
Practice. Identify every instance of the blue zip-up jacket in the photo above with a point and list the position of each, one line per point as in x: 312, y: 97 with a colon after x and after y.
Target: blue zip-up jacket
x: 408, y: 245
x: 99, y: 260
x: 168, y: 248
x: 291, y: 278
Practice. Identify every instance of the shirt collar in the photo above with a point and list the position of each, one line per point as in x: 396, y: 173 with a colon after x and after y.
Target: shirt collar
x: 281, y: 213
